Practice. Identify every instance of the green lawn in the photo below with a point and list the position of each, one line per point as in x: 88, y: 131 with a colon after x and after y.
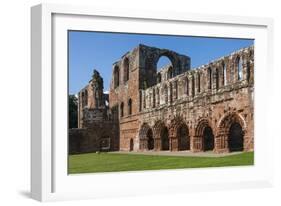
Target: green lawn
x: 109, y: 162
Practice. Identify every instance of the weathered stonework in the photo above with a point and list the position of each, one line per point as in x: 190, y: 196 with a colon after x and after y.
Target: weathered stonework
x: 207, y: 108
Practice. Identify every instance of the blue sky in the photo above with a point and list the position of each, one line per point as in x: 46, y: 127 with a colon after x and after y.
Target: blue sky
x: 98, y: 50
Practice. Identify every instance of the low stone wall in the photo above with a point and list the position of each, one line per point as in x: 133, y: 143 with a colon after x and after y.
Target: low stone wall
x: 96, y: 137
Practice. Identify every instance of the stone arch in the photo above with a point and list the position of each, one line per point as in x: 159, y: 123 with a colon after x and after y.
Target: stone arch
x: 146, y: 137
x: 204, y: 139
x: 210, y: 76
x: 231, y: 133
x: 224, y: 72
x: 161, y: 136
x: 150, y: 139
x: 171, y: 56
x: 163, y: 61
x: 183, y: 137
x: 239, y: 67
x: 116, y: 75
x: 126, y: 69
x: 179, y: 135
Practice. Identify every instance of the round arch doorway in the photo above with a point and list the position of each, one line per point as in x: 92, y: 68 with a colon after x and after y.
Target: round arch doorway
x: 236, y: 138
x: 165, y: 145
x: 150, y: 140
x: 208, y: 139
x: 183, y: 138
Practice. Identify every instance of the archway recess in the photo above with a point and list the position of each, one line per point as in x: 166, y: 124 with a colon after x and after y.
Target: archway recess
x: 164, y: 135
x: 150, y: 140
x: 208, y: 139
x: 231, y: 133
x: 235, y: 138
x: 183, y: 138
x: 204, y: 137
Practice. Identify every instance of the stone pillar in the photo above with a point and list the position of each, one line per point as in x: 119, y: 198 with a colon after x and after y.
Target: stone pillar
x: 174, y: 144
x: 143, y: 144
x: 157, y: 144
x: 197, y: 144
x: 221, y: 144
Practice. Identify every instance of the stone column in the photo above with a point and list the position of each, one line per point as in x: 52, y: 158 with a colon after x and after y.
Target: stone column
x: 174, y: 144
x: 197, y: 144
x: 221, y: 143
x: 157, y: 144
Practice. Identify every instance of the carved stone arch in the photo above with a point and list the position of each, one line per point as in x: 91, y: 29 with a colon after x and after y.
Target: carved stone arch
x: 179, y: 134
x: 229, y: 124
x: 171, y: 56
x: 238, y: 62
x: 229, y: 117
x: 204, y: 137
x: 161, y: 136
x: 126, y: 69
x: 146, y: 137
x: 116, y: 76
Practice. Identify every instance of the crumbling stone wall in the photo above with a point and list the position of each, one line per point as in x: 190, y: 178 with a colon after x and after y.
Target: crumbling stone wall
x: 212, y: 106
x: 97, y: 131
x: 207, y: 108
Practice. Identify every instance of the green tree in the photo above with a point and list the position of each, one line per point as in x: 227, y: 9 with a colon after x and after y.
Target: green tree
x: 73, y: 111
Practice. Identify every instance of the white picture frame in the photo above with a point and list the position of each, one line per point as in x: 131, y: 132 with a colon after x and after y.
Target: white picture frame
x: 49, y: 178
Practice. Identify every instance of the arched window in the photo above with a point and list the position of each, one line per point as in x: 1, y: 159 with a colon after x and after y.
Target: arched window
x: 162, y: 62
x: 239, y: 68
x: 210, y: 78
x: 85, y: 99
x: 170, y: 72
x: 193, y: 86
x: 224, y: 74
x: 217, y: 79
x: 176, y: 88
x: 159, y: 77
x: 166, y: 93
x: 126, y: 69
x: 153, y: 98
x: 144, y: 100
x: 171, y: 92
x: 116, y: 76
x: 130, y: 106
x: 198, y: 81
x: 248, y: 71
x: 158, y: 96
x: 122, y: 109
x: 140, y: 100
x: 187, y: 86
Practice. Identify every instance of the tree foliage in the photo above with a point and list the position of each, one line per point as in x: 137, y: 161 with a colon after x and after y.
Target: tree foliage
x: 73, y: 111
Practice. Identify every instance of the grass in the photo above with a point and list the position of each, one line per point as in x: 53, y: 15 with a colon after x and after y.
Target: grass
x: 109, y: 162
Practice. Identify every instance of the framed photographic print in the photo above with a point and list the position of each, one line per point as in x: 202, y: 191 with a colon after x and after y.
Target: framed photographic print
x: 134, y: 102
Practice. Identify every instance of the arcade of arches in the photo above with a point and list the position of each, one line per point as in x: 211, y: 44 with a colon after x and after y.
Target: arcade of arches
x: 228, y: 136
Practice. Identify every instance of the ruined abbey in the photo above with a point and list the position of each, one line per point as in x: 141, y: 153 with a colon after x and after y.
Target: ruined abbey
x: 209, y: 108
